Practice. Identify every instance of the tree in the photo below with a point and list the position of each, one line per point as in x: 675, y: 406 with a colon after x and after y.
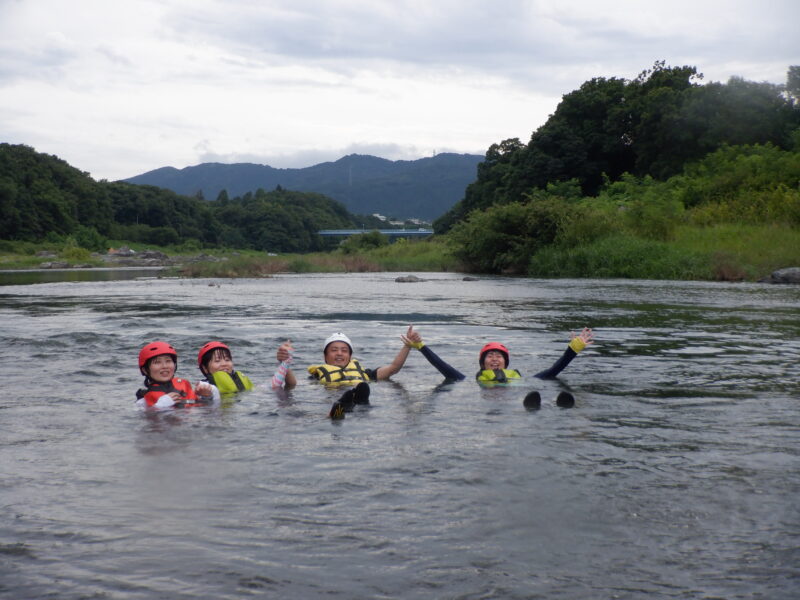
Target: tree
x: 793, y: 84
x: 652, y: 125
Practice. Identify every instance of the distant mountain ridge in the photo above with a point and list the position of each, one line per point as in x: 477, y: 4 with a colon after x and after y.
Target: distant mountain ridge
x: 425, y: 188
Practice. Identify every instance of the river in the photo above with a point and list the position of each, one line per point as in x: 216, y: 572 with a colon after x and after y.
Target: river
x: 675, y: 475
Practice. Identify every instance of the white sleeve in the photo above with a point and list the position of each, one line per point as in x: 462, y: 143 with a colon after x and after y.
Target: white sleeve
x: 216, y: 397
x: 165, y: 401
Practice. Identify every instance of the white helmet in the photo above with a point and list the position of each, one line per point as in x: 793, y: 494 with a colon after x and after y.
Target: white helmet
x: 338, y: 337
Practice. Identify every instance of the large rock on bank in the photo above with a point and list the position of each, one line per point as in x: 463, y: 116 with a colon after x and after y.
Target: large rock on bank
x: 788, y: 275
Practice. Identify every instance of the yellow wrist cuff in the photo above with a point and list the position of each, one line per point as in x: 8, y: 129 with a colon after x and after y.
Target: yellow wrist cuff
x: 417, y: 345
x: 577, y: 344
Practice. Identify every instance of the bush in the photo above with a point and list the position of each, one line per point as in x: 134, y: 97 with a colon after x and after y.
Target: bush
x: 87, y: 237
x: 189, y: 246
x: 72, y: 251
x: 501, y: 238
x: 621, y: 256
x: 300, y: 265
x: 363, y: 241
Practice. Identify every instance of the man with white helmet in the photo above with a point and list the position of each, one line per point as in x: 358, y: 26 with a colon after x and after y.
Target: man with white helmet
x: 340, y: 368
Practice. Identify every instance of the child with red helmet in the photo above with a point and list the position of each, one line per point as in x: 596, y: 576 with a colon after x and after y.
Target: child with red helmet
x: 494, y: 359
x: 216, y: 362
x: 158, y: 362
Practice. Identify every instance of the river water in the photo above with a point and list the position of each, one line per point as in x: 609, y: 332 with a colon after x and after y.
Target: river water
x: 676, y: 474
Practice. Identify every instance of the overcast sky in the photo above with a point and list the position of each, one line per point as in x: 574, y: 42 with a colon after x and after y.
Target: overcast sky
x: 118, y: 88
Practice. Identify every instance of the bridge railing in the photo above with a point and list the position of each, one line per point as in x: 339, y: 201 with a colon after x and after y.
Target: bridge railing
x: 420, y: 232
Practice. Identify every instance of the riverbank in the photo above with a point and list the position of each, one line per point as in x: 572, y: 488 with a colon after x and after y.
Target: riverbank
x: 399, y: 256
x: 722, y: 253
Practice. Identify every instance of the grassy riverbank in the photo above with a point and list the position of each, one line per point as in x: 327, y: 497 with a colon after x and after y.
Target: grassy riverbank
x: 427, y: 256
x: 722, y: 252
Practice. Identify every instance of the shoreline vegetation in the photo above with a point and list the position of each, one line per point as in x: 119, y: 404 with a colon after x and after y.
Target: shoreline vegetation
x: 658, y: 177
x: 719, y: 253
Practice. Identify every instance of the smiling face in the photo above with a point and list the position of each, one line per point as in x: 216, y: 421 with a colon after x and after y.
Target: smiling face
x: 337, y: 354
x: 161, y: 368
x: 219, y: 359
x: 494, y: 359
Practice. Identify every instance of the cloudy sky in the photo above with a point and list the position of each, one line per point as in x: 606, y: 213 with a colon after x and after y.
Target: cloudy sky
x: 117, y: 88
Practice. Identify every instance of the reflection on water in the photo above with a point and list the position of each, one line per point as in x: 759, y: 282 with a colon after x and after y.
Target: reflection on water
x: 674, y: 476
x: 31, y: 276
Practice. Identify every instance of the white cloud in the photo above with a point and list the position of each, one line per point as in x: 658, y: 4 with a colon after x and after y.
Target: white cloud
x: 120, y: 88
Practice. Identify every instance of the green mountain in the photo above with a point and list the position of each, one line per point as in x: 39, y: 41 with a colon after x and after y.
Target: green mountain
x: 425, y: 188
x: 44, y: 198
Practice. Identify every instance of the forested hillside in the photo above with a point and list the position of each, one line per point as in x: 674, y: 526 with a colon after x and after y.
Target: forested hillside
x: 423, y: 189
x: 42, y: 197
x: 658, y: 177
x: 651, y: 126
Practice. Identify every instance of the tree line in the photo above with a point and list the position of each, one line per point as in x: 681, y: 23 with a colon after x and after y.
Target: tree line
x: 44, y: 198
x: 653, y: 125
x: 620, y: 169
x: 636, y: 220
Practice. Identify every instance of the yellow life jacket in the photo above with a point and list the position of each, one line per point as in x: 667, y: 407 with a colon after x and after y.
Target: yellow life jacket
x: 352, y: 373
x: 228, y: 383
x: 498, y: 375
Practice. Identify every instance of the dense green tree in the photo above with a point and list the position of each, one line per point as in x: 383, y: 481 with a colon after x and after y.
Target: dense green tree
x: 745, y: 185
x: 652, y: 125
x: 501, y: 162
x: 364, y: 241
x: 793, y: 84
x: 41, y: 193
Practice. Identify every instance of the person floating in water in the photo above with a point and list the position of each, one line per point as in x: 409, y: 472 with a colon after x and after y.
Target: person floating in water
x: 216, y: 363
x: 494, y: 359
x: 158, y: 362
x: 340, y: 368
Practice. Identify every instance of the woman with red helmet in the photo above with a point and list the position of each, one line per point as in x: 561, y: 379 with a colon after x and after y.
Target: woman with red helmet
x: 158, y: 362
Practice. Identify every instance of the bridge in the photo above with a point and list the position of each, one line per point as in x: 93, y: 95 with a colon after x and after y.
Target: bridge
x: 421, y: 232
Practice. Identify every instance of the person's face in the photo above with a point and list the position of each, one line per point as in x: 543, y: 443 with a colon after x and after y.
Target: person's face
x: 494, y: 359
x: 337, y: 354
x: 161, y: 368
x: 220, y: 361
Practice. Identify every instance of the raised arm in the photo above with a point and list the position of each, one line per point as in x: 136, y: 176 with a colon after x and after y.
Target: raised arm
x: 578, y: 343
x: 388, y: 370
x: 413, y: 339
x: 284, y: 377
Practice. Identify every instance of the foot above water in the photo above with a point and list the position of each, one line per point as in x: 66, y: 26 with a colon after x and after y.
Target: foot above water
x: 337, y: 411
x: 532, y: 401
x: 361, y: 393
x: 565, y: 400
x: 353, y: 396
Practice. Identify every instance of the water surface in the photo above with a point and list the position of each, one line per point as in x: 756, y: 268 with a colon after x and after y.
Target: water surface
x: 674, y: 476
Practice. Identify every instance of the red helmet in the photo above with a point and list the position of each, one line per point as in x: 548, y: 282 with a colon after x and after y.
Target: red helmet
x: 154, y: 349
x: 493, y: 346
x: 208, y: 348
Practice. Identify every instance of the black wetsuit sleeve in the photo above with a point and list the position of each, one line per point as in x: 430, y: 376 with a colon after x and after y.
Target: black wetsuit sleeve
x: 441, y: 366
x: 558, y: 366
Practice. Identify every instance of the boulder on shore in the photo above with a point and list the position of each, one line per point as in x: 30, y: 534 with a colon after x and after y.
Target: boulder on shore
x: 787, y: 275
